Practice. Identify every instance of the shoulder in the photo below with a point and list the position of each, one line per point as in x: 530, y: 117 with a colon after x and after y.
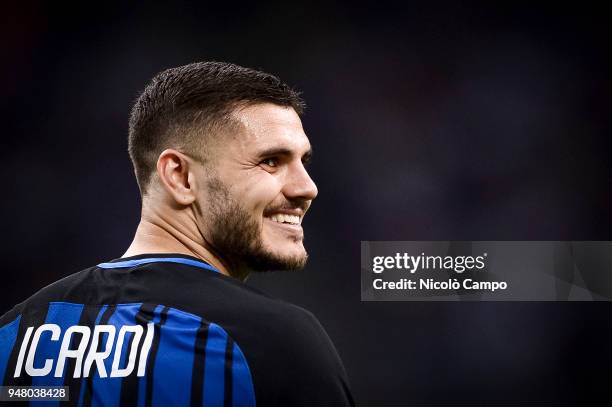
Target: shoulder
x: 301, y: 343
x: 295, y: 325
x: 284, y: 325
x: 292, y: 358
x: 37, y: 302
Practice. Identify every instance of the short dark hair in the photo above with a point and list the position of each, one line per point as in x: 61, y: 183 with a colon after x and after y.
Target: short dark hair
x: 182, y: 106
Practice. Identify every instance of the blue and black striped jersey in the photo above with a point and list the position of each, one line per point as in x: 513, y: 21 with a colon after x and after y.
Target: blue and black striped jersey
x: 160, y: 330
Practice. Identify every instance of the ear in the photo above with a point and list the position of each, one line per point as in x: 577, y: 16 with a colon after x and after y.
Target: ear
x: 175, y: 174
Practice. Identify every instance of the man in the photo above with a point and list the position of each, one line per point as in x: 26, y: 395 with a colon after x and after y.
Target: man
x: 219, y: 155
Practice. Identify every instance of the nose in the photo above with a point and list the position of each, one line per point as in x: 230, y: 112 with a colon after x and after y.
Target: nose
x: 298, y: 184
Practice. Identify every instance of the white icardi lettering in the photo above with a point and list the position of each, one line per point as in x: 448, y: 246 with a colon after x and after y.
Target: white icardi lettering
x: 137, y: 331
x: 86, y: 356
x: 93, y: 355
x: 77, y: 353
x: 43, y: 371
x: 146, y: 347
x: 24, y: 345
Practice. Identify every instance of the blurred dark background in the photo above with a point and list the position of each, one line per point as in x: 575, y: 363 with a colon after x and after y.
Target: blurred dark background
x: 429, y: 121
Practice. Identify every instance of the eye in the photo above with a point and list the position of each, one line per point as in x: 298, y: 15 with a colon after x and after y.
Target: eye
x: 270, y: 162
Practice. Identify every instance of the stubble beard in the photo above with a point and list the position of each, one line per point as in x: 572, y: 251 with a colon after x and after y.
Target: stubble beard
x: 237, y: 236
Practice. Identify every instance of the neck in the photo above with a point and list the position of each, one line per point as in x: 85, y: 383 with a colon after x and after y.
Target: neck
x: 158, y: 234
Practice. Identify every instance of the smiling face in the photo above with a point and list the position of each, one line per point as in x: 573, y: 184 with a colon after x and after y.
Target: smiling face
x: 258, y: 190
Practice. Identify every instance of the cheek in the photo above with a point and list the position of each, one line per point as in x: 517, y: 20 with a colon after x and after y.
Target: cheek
x: 259, y: 193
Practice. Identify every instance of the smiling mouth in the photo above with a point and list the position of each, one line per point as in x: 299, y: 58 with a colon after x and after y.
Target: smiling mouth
x: 286, y: 219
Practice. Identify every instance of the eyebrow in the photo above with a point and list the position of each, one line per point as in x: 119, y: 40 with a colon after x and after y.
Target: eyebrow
x: 283, y: 151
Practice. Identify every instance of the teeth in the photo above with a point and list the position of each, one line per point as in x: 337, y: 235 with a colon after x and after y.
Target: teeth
x: 283, y: 218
